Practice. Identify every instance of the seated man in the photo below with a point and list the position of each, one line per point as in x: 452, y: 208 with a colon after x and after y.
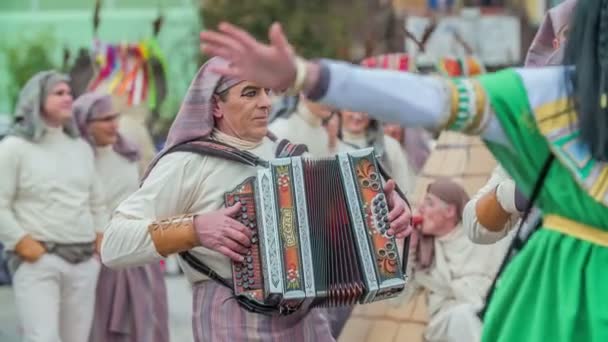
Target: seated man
x: 180, y: 207
x: 456, y: 272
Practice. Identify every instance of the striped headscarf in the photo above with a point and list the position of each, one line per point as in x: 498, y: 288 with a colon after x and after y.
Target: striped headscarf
x: 195, y: 117
x: 91, y: 106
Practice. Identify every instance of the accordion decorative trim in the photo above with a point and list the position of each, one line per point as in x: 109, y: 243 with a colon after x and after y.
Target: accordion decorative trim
x: 323, y: 233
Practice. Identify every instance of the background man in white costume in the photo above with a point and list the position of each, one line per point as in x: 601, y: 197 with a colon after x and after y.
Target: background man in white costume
x: 51, y: 210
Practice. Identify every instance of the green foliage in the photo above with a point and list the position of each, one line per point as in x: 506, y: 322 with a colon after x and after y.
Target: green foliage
x: 317, y: 28
x: 26, y: 58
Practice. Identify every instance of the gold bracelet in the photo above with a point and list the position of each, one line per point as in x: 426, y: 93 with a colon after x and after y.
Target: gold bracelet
x: 452, y: 104
x: 480, y: 109
x: 301, y: 71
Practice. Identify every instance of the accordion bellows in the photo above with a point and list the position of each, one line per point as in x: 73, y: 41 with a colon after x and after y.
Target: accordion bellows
x: 319, y: 232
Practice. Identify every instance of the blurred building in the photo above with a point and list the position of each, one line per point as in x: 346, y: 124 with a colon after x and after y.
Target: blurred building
x: 499, y: 31
x: 68, y: 24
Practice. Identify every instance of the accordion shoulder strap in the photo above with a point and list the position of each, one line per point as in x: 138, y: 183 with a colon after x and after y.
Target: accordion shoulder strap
x: 218, y: 149
x: 203, y: 268
x: 286, y: 149
x: 245, y: 302
x: 406, y: 242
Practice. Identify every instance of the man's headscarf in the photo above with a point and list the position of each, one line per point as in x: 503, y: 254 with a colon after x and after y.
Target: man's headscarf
x: 91, y: 106
x: 451, y: 193
x: 195, y: 117
x: 542, y: 52
x: 28, y: 120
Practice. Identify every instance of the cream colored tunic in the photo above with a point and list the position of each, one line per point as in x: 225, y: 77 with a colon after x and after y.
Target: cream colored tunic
x: 50, y: 190
x: 303, y: 127
x: 120, y: 177
x: 181, y: 183
x: 401, y: 171
x: 139, y: 134
x: 505, y: 194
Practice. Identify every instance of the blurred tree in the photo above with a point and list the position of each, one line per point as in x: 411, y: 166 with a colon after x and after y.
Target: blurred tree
x: 341, y: 29
x: 26, y: 59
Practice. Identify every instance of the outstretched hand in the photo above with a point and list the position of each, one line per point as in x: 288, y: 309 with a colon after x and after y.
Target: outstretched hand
x: 272, y: 66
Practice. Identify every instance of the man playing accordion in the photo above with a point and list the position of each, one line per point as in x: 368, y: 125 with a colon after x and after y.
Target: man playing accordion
x: 180, y: 207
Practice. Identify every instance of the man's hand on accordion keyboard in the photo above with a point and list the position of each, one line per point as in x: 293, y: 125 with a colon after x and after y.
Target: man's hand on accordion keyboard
x: 218, y: 231
x: 399, y: 216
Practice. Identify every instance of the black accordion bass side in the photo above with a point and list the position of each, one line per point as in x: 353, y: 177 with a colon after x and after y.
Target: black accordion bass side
x: 319, y: 230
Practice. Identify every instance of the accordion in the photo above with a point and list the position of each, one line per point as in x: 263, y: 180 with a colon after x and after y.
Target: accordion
x: 319, y: 234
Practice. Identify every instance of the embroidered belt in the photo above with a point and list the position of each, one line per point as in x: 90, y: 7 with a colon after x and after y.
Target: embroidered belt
x: 576, y: 229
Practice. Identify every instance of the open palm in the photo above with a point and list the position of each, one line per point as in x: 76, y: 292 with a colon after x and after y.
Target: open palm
x: 270, y: 66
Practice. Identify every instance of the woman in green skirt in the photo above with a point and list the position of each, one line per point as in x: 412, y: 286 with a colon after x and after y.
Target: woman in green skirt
x: 554, y: 118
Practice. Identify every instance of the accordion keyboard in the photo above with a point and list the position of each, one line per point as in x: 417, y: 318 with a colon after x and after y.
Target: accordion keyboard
x: 247, y: 276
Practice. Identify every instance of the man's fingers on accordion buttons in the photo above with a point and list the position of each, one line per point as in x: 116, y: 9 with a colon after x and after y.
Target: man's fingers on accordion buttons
x: 404, y: 233
x: 238, y: 236
x: 396, y: 211
x: 389, y: 187
x: 233, y: 210
x: 236, y: 225
x: 234, y: 246
x: 231, y: 254
x: 400, y: 224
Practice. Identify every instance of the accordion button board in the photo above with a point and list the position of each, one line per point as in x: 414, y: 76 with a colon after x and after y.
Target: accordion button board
x: 247, y: 275
x: 319, y: 233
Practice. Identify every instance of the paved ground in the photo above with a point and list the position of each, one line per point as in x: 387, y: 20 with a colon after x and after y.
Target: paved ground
x: 180, y: 308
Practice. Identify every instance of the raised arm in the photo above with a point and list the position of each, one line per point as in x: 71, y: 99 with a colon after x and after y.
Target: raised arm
x: 392, y: 96
x: 400, y: 97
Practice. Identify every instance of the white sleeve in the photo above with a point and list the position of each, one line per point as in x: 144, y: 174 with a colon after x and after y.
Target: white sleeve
x: 167, y: 192
x: 477, y: 232
x: 394, y: 96
x: 10, y: 229
x: 99, y: 211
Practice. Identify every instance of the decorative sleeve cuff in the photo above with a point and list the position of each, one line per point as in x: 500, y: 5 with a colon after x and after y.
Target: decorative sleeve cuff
x: 173, y: 235
x: 468, y: 106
